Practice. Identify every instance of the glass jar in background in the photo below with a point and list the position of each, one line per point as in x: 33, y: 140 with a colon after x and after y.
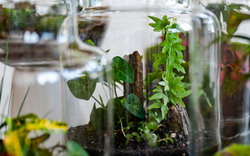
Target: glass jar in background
x: 204, y: 77
x: 29, y: 55
x: 87, y: 90
x: 234, y: 75
x: 145, y: 98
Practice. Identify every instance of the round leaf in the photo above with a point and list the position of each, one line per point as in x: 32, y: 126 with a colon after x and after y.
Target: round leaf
x: 82, y: 87
x: 134, y: 106
x: 122, y: 70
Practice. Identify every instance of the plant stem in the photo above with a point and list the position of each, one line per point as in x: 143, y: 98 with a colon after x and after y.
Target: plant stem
x: 115, y: 90
x: 97, y: 101
x: 20, y: 109
x: 122, y: 129
x: 104, y: 91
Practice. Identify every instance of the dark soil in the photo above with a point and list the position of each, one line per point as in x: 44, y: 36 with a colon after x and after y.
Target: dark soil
x: 93, y: 142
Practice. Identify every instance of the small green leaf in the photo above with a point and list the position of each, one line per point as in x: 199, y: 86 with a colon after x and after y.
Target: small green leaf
x: 179, y: 68
x: 155, y: 19
x: 90, y: 42
x: 152, y: 24
x: 73, y: 149
x: 164, y: 111
x: 165, y: 100
x: 153, y: 126
x: 138, y: 138
x: 129, y: 136
x: 157, y: 89
x: 156, y: 96
x: 155, y: 105
x: 135, y: 134
x: 126, y: 142
x: 82, y: 87
x: 122, y: 70
x: 152, y: 139
x: 134, y: 106
x: 123, y: 100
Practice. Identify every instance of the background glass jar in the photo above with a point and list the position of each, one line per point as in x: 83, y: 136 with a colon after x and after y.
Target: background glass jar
x: 149, y: 83
x: 29, y: 55
x: 204, y: 76
x: 234, y: 78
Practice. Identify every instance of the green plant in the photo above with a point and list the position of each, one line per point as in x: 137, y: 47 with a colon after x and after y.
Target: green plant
x: 168, y: 90
x: 17, y: 140
x: 235, y: 150
x: 24, y: 17
x: 26, y: 136
x: 234, y: 53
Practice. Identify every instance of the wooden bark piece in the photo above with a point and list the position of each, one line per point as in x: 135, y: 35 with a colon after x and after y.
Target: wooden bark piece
x: 178, y: 120
x: 136, y: 87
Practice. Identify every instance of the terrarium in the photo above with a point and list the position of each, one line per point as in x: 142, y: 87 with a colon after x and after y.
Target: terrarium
x: 234, y: 68
x: 127, y: 92
x: 30, y: 81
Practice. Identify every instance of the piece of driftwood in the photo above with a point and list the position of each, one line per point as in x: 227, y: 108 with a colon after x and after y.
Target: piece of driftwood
x: 136, y: 87
x: 178, y: 120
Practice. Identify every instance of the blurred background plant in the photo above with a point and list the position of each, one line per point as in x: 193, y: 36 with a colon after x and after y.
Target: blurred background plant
x: 234, y: 17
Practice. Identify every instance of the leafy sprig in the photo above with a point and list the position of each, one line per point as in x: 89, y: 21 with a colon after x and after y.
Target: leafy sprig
x: 171, y: 90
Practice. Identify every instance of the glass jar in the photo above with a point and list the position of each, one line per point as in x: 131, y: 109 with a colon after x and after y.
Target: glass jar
x: 29, y: 55
x: 86, y: 89
x: 140, y: 108
x: 234, y: 74
x: 204, y: 77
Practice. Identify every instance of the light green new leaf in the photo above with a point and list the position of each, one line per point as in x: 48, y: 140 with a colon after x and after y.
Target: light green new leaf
x: 155, y: 19
x: 90, y: 42
x: 155, y: 105
x: 156, y: 96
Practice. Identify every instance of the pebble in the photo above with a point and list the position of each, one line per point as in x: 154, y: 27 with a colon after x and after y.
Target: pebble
x: 173, y: 135
x: 180, y: 136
